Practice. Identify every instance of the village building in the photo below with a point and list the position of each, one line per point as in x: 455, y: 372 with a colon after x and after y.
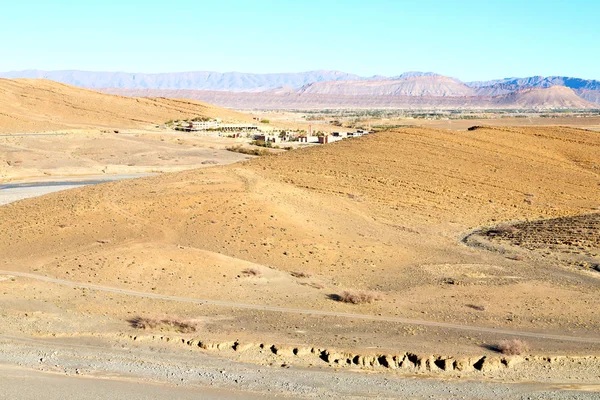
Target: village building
x: 238, y: 127
x: 268, y: 138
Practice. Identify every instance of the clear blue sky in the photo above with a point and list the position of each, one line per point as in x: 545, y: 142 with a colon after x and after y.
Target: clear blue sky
x: 470, y: 40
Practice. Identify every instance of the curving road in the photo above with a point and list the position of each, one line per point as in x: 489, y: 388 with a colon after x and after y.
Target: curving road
x: 219, y: 303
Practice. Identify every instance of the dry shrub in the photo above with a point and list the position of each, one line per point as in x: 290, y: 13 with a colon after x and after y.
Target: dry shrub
x: 477, y: 307
x: 170, y: 324
x: 249, y: 151
x: 358, y: 297
x: 512, y: 347
x: 300, y: 274
x: 252, y: 272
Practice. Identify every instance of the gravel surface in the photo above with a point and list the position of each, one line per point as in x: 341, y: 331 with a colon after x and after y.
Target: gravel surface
x: 61, y: 368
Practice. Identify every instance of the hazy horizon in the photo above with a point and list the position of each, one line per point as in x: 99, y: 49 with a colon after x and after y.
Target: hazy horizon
x: 470, y: 40
x: 491, y: 78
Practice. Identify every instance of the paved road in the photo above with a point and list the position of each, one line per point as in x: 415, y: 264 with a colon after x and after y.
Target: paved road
x: 481, y: 329
x: 13, y: 191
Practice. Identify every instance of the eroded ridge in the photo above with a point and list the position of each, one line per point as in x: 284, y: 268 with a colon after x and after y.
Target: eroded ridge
x: 402, y: 361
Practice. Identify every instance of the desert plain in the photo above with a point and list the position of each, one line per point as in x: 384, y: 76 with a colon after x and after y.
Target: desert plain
x: 373, y: 262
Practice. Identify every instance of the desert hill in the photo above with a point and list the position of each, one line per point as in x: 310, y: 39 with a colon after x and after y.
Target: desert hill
x: 28, y: 105
x: 384, y: 213
x: 551, y: 97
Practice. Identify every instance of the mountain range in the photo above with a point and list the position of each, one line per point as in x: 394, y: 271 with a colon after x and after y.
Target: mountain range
x: 337, y: 89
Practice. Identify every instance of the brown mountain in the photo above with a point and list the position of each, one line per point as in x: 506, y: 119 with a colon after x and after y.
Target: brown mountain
x: 412, y: 86
x: 552, y: 97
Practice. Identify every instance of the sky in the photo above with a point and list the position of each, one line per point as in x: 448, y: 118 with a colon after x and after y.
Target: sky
x: 468, y: 40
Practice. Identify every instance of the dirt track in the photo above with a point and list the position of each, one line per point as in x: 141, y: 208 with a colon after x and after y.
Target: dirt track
x: 303, y: 311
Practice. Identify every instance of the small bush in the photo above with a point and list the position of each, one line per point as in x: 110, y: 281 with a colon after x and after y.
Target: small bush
x: 265, y: 121
x: 357, y: 297
x: 512, y: 347
x: 261, y: 143
x: 170, y: 324
x: 252, y: 272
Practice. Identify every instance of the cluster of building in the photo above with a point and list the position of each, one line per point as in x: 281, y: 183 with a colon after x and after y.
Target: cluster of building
x: 272, y: 137
x: 215, y: 125
x: 309, y: 137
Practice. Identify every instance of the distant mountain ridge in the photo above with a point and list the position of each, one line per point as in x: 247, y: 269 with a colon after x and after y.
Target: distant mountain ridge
x: 536, y: 98
x: 327, y: 83
x: 539, y: 81
x: 201, y: 80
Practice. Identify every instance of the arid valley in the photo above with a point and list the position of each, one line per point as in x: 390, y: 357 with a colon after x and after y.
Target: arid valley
x: 430, y: 258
